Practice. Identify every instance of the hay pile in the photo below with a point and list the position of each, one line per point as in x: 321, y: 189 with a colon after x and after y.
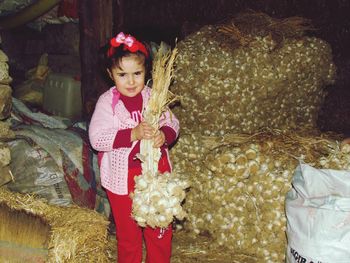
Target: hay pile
x: 251, y: 72
x: 239, y: 184
x: 189, y: 249
x: 77, y: 234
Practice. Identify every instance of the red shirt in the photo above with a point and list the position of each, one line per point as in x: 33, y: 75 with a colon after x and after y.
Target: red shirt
x: 123, y: 137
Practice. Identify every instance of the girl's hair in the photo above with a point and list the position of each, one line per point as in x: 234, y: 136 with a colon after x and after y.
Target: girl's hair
x: 119, y: 53
x: 115, y: 52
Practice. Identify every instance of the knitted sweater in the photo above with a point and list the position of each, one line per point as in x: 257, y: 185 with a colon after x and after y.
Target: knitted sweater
x: 109, y: 117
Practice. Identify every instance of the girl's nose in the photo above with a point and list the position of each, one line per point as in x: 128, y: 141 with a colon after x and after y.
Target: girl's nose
x: 131, y: 79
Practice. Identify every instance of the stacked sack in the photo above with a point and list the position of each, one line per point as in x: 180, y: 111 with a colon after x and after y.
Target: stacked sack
x: 239, y: 183
x: 251, y: 72
x: 5, y: 110
x: 5, y: 89
x: 251, y: 90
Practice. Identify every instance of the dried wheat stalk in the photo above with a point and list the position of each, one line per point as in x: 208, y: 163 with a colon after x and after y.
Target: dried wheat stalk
x: 157, y: 198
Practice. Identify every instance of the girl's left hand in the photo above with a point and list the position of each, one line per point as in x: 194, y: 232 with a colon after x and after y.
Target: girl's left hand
x: 159, y: 139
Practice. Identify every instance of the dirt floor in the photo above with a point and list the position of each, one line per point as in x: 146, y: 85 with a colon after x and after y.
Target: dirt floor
x: 188, y: 249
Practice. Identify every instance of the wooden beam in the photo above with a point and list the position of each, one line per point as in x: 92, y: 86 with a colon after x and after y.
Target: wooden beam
x: 96, y: 25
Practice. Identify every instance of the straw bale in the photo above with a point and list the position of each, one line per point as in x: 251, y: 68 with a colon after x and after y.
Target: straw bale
x: 23, y: 237
x: 77, y: 234
x: 252, y: 72
x: 239, y: 181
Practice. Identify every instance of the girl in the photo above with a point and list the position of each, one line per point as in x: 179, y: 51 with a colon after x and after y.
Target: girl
x: 115, y: 131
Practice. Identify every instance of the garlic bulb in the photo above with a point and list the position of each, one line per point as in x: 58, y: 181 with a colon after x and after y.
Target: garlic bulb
x: 241, y: 89
x: 157, y: 199
x: 241, y: 205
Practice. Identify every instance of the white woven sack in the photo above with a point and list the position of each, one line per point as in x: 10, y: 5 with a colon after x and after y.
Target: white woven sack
x: 318, y: 216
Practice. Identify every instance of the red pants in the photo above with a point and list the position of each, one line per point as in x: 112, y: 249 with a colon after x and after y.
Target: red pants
x: 129, y: 234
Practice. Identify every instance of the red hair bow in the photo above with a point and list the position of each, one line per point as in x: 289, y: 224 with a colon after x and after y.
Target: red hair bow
x: 130, y: 43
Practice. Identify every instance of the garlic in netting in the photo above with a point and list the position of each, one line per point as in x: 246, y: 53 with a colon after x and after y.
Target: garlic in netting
x: 157, y: 197
x: 239, y: 183
x: 230, y: 87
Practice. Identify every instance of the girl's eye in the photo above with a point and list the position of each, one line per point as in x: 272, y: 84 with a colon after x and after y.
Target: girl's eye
x: 121, y: 75
x: 138, y: 73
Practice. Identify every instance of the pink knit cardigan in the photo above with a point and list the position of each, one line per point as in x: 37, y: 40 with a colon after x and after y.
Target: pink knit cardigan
x: 110, y: 115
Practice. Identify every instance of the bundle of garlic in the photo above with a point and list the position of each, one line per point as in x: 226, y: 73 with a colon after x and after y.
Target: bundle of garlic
x: 239, y: 184
x: 157, y: 197
x: 254, y: 82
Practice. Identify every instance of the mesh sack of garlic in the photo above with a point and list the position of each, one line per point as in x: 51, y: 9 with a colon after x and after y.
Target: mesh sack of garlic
x: 251, y: 72
x: 157, y: 197
x: 239, y: 182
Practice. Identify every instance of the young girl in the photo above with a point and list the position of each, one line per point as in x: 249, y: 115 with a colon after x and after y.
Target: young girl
x: 115, y: 131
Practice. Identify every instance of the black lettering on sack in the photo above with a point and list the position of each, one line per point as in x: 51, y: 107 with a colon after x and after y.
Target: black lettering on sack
x: 298, y: 258
x: 58, y: 191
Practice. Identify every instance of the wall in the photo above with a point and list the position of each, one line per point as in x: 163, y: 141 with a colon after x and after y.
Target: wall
x: 167, y: 20
x: 25, y: 45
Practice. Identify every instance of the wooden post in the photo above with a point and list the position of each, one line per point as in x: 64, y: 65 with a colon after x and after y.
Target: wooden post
x: 96, y: 25
x: 119, y: 22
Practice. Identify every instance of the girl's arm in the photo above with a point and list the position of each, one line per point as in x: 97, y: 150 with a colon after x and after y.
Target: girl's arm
x: 124, y: 138
x: 102, y: 130
x: 169, y: 126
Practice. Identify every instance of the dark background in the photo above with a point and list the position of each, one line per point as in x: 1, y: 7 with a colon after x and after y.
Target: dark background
x: 168, y: 20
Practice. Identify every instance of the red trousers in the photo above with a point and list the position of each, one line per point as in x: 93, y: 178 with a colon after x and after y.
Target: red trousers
x: 129, y: 234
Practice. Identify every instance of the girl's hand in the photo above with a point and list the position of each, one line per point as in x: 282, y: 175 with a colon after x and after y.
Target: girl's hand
x: 159, y: 139
x: 142, y: 131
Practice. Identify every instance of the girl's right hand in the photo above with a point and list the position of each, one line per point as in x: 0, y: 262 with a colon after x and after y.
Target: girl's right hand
x: 142, y: 131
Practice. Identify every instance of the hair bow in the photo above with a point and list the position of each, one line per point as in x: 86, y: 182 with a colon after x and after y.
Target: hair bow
x: 130, y: 43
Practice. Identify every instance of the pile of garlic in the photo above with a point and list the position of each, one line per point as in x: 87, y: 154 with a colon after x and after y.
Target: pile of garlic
x: 157, y: 199
x: 338, y: 159
x: 238, y: 189
x: 241, y: 89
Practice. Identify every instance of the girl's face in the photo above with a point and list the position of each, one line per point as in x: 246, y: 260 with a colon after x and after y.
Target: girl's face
x: 129, y: 75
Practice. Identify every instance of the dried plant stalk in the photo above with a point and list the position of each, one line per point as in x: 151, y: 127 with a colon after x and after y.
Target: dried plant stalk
x: 162, y: 74
x: 157, y: 197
